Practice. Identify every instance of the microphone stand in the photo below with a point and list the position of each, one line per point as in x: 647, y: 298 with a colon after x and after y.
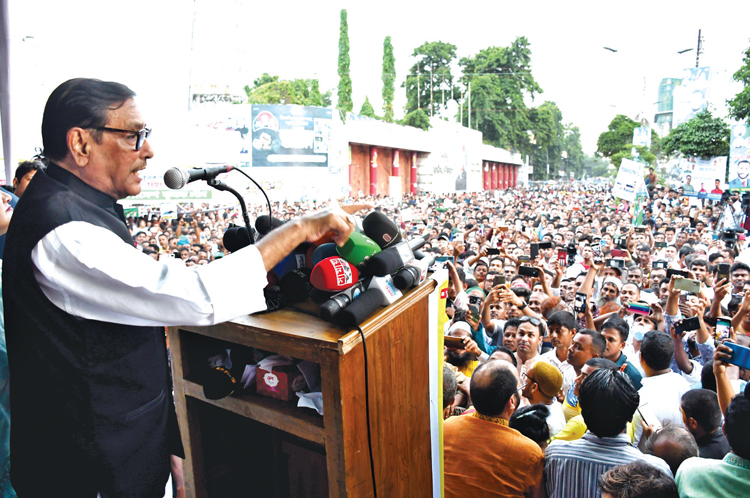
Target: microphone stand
x: 219, y: 185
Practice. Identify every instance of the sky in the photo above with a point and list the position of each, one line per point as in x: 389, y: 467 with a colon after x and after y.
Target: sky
x: 160, y: 47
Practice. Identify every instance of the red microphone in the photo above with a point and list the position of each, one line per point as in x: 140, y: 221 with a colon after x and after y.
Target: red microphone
x: 334, y: 274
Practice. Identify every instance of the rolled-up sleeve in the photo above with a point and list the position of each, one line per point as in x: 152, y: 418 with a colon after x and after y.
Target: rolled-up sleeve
x: 88, y: 271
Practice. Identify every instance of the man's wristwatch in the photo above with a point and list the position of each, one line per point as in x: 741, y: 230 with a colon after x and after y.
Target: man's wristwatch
x: 523, y: 306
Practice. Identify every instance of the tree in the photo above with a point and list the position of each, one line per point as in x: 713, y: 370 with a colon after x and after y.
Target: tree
x: 367, y: 109
x: 430, y: 80
x: 616, y: 143
x: 271, y: 90
x: 501, y: 83
x: 344, y: 103
x: 574, y: 151
x: 418, y: 119
x: 703, y: 136
x: 739, y: 106
x: 389, y: 79
x: 548, y: 131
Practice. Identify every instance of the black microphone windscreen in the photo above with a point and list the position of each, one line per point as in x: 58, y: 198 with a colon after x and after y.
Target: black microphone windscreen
x: 320, y: 296
x: 295, y: 285
x: 236, y: 237
x: 381, y: 229
x: 360, y: 309
x: 175, y: 178
x: 406, y: 278
x: 384, y: 263
x: 264, y: 223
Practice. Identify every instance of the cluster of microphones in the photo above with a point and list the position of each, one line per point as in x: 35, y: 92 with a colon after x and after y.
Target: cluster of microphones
x: 352, y: 281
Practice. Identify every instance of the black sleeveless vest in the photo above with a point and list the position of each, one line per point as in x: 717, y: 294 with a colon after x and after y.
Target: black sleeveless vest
x: 90, y: 400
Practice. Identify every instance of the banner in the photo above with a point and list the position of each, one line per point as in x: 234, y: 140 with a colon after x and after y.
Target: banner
x: 739, y: 157
x: 290, y: 135
x: 629, y: 180
x: 691, y: 96
x: 642, y: 136
x: 703, y: 178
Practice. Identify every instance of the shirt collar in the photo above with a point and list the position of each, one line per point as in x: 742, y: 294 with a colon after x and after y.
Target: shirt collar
x: 621, y: 439
x: 733, y: 459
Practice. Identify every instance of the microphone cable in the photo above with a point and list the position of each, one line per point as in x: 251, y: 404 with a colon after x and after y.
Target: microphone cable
x: 270, y: 213
x: 367, y: 412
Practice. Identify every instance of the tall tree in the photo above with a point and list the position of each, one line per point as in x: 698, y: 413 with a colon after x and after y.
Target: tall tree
x: 344, y: 103
x: 367, y: 109
x: 573, y: 150
x: 501, y: 84
x: 739, y: 106
x: 430, y: 80
x: 389, y: 79
x: 703, y: 136
x: 548, y: 132
x: 616, y: 143
x: 271, y: 90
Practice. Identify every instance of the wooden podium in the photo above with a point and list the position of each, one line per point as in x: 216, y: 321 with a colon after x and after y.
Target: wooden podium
x: 251, y: 445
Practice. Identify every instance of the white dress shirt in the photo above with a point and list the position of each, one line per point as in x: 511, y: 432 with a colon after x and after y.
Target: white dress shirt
x: 88, y: 271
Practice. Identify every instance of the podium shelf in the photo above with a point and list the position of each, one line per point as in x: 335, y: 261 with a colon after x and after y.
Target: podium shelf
x: 283, y: 415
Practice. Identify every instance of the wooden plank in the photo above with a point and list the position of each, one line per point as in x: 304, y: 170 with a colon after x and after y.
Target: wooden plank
x: 385, y: 315
x: 188, y: 419
x: 282, y: 415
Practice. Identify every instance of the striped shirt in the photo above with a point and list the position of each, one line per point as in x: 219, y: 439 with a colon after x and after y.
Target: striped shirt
x: 572, y: 468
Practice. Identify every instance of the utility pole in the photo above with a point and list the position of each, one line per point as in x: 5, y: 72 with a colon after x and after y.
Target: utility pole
x: 469, y: 104
x: 431, y: 104
x: 698, y: 50
x: 419, y: 106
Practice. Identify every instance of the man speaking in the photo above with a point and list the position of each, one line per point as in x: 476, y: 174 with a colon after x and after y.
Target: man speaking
x: 91, y: 401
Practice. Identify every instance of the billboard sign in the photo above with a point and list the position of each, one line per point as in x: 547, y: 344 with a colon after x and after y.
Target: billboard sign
x: 703, y: 178
x: 290, y: 135
x: 739, y: 157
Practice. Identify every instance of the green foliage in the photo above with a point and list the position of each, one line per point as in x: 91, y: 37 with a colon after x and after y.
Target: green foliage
x: 703, y: 136
x: 616, y: 143
x: 418, y: 119
x: 265, y: 78
x: 272, y: 90
x: 571, y: 145
x: 501, y: 83
x: 389, y: 79
x: 345, y: 103
x: 739, y: 106
x: 367, y: 109
x: 431, y: 72
x: 596, y: 167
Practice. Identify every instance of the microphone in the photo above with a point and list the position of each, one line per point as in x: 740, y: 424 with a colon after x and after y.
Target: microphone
x: 334, y: 274
x: 386, y: 287
x: 236, y: 237
x: 390, y: 260
x: 320, y: 296
x: 381, y: 229
x: 358, y: 249
x: 291, y: 262
x: 295, y: 285
x: 176, y: 178
x: 337, y: 302
x: 324, y: 251
x: 265, y: 223
x: 361, y: 308
x: 414, y: 273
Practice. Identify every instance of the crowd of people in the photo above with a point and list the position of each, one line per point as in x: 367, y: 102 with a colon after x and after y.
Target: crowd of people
x: 581, y: 372
x: 592, y: 343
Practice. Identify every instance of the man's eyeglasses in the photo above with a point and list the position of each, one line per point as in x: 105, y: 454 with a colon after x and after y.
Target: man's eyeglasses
x: 535, y: 322
x: 139, y: 135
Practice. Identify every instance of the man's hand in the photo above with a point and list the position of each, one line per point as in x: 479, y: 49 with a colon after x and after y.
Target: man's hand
x: 336, y: 219
x: 471, y: 346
